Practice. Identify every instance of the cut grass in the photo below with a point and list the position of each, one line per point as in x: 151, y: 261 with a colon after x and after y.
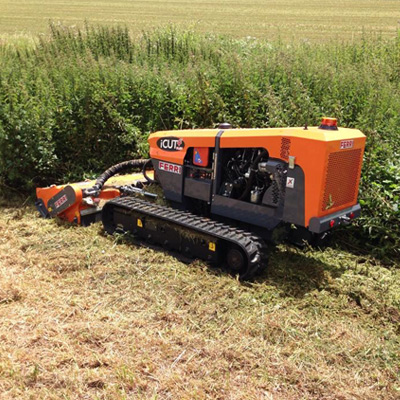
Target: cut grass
x: 88, y: 316
x: 312, y: 20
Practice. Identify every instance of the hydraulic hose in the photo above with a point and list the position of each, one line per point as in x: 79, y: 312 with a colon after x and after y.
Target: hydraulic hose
x: 115, y: 169
x: 145, y: 173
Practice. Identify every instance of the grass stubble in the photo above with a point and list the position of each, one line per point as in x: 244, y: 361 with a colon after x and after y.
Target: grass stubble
x: 86, y: 316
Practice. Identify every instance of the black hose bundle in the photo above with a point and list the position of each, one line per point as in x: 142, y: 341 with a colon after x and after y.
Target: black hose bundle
x: 145, y: 166
x: 115, y: 169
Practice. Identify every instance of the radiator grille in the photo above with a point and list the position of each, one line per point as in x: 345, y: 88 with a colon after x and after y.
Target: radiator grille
x: 341, y: 178
x: 285, y: 148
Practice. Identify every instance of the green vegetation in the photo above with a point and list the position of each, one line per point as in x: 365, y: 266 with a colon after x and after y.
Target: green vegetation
x: 318, y: 20
x: 80, y: 101
x: 88, y: 316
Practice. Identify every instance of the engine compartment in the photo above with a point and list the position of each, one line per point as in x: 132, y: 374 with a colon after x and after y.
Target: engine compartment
x: 248, y: 174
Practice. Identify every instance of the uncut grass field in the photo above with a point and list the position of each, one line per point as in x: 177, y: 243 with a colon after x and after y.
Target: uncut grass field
x: 315, y: 20
x: 87, y: 316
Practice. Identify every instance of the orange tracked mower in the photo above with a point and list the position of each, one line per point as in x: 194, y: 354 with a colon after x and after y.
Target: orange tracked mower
x: 228, y: 190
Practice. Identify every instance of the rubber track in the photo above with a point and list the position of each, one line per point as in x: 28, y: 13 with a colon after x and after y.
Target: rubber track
x: 253, y: 246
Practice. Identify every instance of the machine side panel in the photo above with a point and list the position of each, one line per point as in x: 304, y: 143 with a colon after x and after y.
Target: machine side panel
x: 245, y: 212
x: 198, y: 189
x: 294, y: 209
x: 171, y: 178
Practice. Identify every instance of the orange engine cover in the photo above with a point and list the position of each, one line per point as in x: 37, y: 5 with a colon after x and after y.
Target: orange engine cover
x: 329, y: 157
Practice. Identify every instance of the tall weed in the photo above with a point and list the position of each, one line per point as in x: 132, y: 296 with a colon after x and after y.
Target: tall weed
x: 80, y: 101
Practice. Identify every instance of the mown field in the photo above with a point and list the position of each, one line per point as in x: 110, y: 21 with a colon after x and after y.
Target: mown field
x: 84, y: 316
x: 315, y: 20
x: 87, y: 316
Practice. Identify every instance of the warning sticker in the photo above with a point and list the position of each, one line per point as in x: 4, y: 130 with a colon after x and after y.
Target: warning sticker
x: 290, y: 182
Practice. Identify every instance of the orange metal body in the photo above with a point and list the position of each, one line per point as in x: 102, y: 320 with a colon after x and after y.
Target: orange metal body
x: 323, y: 155
x: 74, y: 212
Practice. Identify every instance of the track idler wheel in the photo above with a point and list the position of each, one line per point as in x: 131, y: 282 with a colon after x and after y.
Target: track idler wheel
x: 238, y: 264
x: 236, y: 260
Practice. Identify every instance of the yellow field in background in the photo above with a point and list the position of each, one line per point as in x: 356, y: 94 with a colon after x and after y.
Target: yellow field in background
x: 315, y: 20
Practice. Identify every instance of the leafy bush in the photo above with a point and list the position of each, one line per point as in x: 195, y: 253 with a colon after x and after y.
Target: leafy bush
x: 80, y: 101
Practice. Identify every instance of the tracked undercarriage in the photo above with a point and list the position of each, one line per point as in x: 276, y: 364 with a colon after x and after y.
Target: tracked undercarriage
x: 241, y: 252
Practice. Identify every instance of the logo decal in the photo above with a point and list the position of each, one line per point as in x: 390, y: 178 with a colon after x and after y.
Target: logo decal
x: 290, y: 183
x: 175, y: 169
x: 346, y: 144
x: 60, y: 201
x: 171, y: 144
